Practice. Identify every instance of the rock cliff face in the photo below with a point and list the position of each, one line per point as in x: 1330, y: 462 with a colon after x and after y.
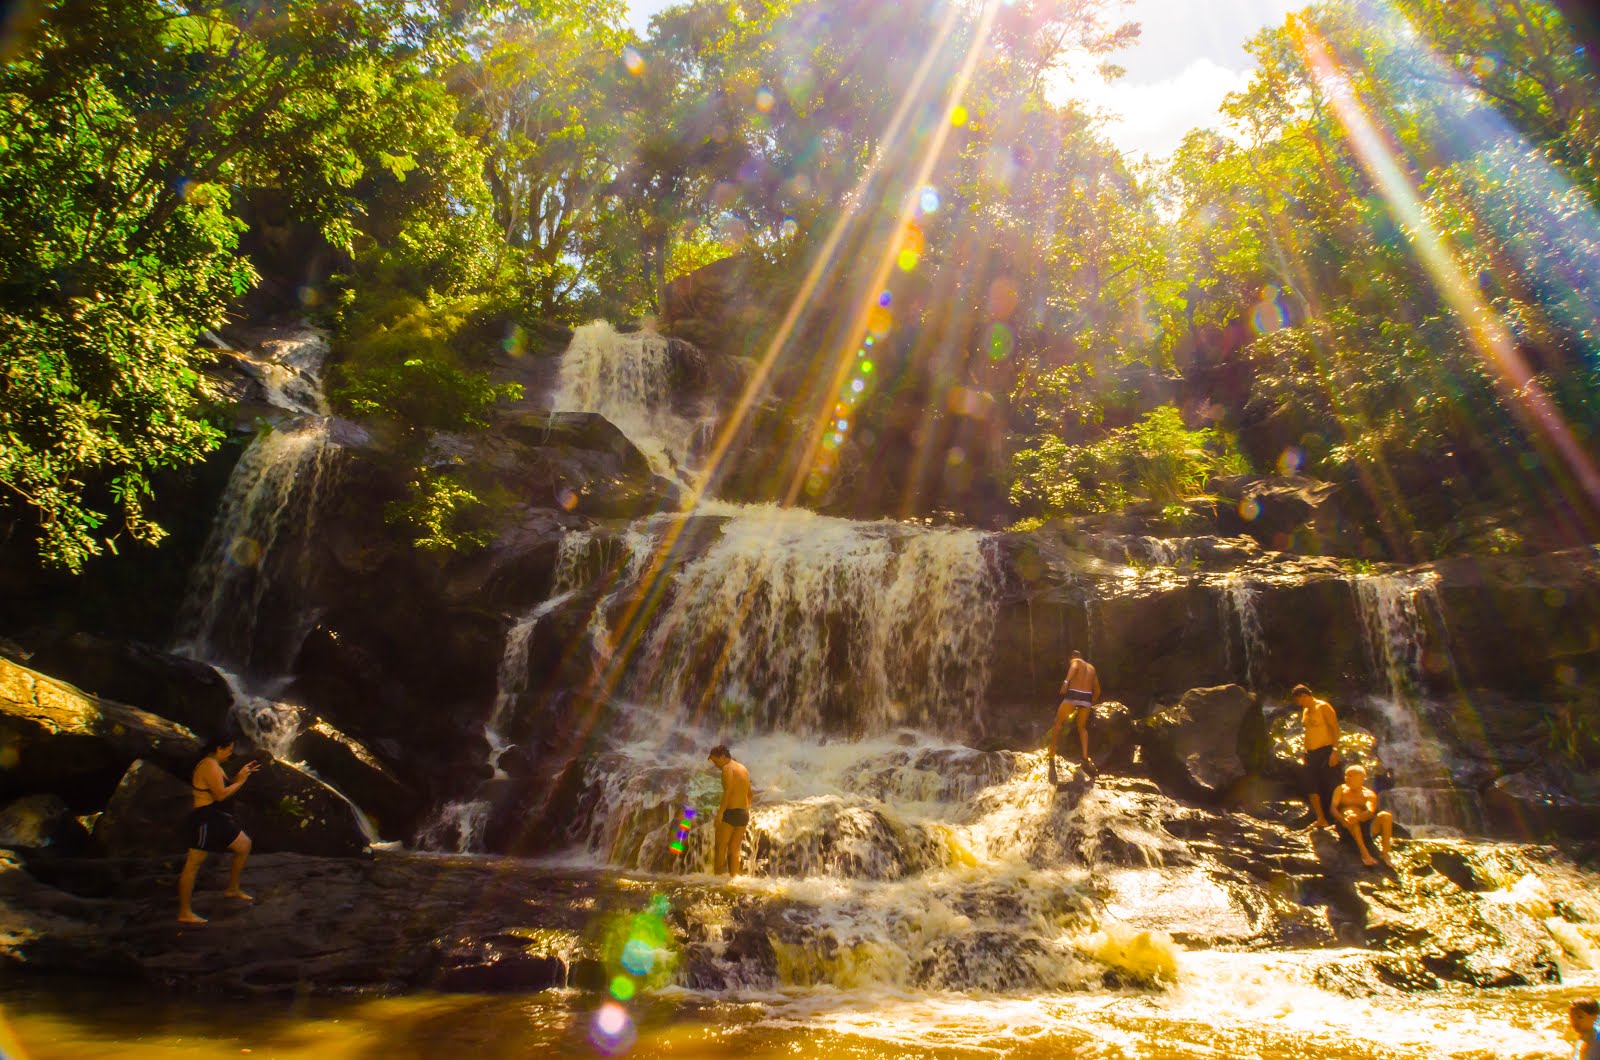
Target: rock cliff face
x: 555, y: 689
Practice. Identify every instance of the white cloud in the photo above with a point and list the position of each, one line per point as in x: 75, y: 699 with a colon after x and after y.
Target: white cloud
x: 1151, y: 118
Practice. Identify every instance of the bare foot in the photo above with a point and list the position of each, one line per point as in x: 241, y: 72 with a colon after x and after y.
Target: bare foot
x: 1388, y: 864
x: 1368, y: 860
x: 190, y: 919
x: 1314, y: 825
x: 240, y: 895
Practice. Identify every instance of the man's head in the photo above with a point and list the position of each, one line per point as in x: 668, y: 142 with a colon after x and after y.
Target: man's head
x: 1581, y: 1013
x: 1355, y: 776
x: 1077, y: 655
x: 1301, y: 695
x: 720, y: 755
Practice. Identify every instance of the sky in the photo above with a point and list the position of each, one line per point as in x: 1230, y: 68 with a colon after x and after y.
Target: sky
x: 1189, y: 56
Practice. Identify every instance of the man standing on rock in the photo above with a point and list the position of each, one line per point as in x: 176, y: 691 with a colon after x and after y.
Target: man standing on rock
x: 733, y: 813
x: 1079, y: 692
x: 211, y: 827
x: 1321, y: 758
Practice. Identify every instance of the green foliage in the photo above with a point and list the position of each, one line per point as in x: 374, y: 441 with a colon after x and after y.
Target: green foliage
x: 1156, y: 458
x: 442, y: 514
x: 1572, y: 733
x: 425, y: 394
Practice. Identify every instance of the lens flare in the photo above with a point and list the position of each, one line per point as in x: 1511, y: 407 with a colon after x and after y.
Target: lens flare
x: 632, y: 61
x: 958, y: 116
x: 612, y: 1029
x: 622, y: 988
x: 1001, y: 342
x: 928, y: 201
x: 764, y: 100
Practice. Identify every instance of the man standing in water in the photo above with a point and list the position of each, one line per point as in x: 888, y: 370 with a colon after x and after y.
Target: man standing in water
x: 1321, y: 758
x: 733, y: 813
x: 1079, y: 692
x: 1355, y: 806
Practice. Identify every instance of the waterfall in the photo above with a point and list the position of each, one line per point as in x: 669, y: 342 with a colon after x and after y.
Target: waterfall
x: 1238, y: 602
x: 255, y: 560
x: 1389, y: 620
x: 511, y: 679
x: 1394, y: 636
x: 629, y: 379
x: 804, y: 623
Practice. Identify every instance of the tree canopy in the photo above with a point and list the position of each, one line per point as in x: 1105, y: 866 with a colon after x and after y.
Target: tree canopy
x: 1380, y: 267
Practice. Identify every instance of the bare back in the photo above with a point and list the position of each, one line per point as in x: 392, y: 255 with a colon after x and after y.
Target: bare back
x: 735, y: 786
x: 1081, y: 677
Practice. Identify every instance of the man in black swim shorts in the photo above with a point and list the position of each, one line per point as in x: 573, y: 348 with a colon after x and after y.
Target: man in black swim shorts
x: 733, y: 813
x: 1320, y: 762
x: 210, y: 827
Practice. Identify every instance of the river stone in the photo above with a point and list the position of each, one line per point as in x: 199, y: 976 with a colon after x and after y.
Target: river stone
x: 189, y: 692
x: 280, y: 808
x: 1205, y: 744
x: 55, y: 738
x: 36, y: 821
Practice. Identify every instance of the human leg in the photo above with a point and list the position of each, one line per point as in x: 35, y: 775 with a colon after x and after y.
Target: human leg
x: 719, y: 850
x: 241, y: 850
x: 1383, y: 824
x: 1083, y: 734
x: 1356, y: 827
x: 191, y: 866
x: 736, y: 850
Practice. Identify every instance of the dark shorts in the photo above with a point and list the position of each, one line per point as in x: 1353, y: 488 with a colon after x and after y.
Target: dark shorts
x: 212, y: 828
x: 1077, y: 698
x: 736, y: 818
x: 1322, y: 777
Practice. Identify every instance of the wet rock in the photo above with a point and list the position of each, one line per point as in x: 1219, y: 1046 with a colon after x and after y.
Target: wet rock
x: 1206, y: 743
x: 343, y: 762
x: 34, y: 822
x: 1288, y: 512
x: 501, y: 964
x: 189, y: 692
x: 280, y: 808
x: 1546, y: 801
x: 54, y: 738
x: 146, y: 813
x: 1112, y: 735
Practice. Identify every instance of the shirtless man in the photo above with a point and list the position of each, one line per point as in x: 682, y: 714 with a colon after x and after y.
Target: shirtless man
x: 1079, y: 692
x: 1355, y: 806
x: 733, y: 813
x: 1321, y: 760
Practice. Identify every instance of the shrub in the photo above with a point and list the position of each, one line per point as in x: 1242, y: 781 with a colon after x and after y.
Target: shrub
x: 1156, y: 458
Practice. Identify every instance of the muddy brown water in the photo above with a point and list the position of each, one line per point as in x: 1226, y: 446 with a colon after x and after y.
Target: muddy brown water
x: 1225, y: 1005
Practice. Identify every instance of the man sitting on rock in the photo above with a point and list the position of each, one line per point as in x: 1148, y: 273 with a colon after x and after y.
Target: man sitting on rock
x: 1355, y: 807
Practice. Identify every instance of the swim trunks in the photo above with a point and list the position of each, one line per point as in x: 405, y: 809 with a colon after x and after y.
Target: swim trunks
x: 1322, y: 777
x: 736, y: 818
x: 1078, y: 697
x: 212, y: 828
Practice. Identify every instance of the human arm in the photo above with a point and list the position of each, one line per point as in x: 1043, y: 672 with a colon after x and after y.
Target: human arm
x: 213, y: 780
x: 1096, y: 676
x: 1331, y: 719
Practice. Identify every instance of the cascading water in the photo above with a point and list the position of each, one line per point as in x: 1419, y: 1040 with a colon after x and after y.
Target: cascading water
x: 628, y: 379
x: 254, y: 563
x: 803, y: 623
x: 1395, y: 639
x: 1239, y: 602
x: 245, y: 610
x: 459, y: 826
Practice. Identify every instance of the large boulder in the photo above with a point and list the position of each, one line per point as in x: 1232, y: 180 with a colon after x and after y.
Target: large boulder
x: 55, y: 738
x: 172, y: 686
x: 281, y: 808
x: 1207, y: 743
x: 1286, y: 512
x: 1548, y: 801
